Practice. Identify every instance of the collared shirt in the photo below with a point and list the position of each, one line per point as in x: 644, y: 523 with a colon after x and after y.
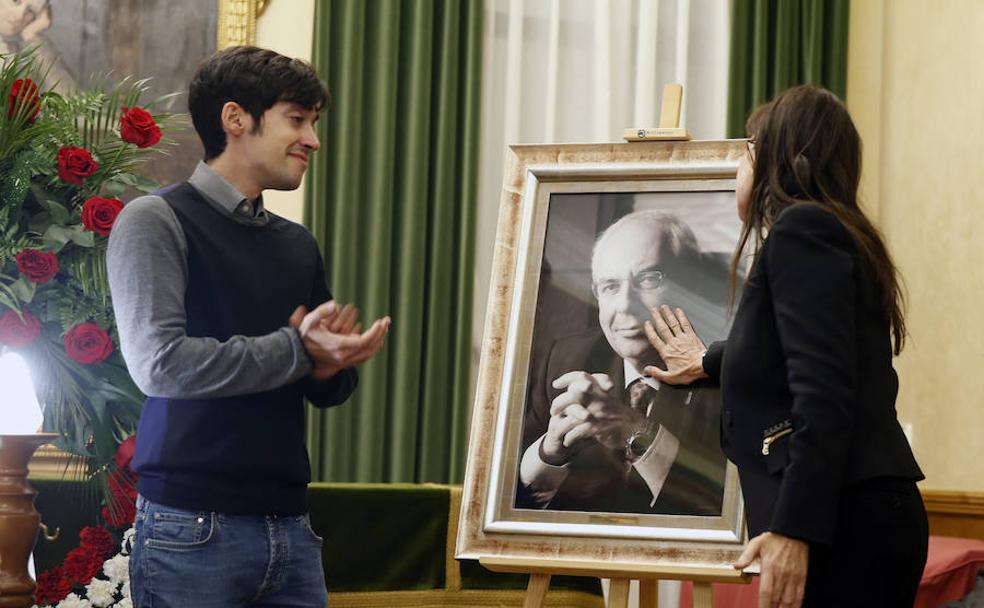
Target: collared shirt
x: 632, y: 374
x: 223, y: 196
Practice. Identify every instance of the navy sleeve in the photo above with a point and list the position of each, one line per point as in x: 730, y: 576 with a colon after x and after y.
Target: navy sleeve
x: 337, y: 389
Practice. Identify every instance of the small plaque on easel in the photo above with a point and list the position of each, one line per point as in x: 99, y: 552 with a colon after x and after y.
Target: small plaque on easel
x: 669, y: 120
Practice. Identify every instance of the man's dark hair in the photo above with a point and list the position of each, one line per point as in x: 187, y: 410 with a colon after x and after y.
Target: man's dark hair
x: 254, y: 78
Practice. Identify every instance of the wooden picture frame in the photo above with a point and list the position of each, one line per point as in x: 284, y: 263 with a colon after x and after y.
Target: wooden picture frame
x: 542, y: 183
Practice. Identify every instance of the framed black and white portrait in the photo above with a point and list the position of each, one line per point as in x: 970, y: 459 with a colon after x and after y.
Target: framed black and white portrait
x: 575, y: 452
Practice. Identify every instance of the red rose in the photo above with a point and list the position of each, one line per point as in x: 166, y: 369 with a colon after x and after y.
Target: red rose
x: 17, y: 333
x: 137, y: 127
x: 98, y: 214
x: 124, y: 453
x: 88, y: 344
x: 37, y: 266
x: 24, y: 93
x: 75, y: 164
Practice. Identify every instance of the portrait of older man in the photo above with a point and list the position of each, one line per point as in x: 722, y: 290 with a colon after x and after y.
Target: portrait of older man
x: 598, y: 435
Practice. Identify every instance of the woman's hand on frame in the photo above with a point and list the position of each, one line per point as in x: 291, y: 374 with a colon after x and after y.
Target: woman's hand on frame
x: 782, y: 578
x: 680, y: 348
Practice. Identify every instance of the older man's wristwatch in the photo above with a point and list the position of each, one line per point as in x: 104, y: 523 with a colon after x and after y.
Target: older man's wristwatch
x: 640, y: 440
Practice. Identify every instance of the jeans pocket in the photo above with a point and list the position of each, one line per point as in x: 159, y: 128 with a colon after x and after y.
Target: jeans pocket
x: 178, y: 530
x: 306, y: 524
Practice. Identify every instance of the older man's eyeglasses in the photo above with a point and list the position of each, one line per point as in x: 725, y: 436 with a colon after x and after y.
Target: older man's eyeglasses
x: 646, y: 281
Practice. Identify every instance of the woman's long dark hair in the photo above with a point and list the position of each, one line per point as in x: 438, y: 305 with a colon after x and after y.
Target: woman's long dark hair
x: 806, y: 150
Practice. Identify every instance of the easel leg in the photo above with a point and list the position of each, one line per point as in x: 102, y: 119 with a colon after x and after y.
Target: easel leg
x: 703, y: 595
x: 536, y: 590
x: 618, y: 593
x: 648, y: 593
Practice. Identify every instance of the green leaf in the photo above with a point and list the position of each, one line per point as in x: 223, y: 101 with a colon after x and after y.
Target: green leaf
x: 120, y: 377
x: 24, y: 290
x: 59, y: 214
x: 113, y: 189
x: 128, y: 179
x: 56, y: 237
x: 40, y: 222
x: 103, y: 440
x: 145, y: 184
x: 16, y: 181
x: 83, y: 237
x: 7, y: 299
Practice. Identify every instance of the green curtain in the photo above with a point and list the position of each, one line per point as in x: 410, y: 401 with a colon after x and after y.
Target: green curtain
x: 776, y: 44
x: 391, y: 199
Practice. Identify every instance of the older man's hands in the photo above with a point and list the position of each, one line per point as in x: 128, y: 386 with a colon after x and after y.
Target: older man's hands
x: 331, y: 336
x: 587, y: 411
x: 677, y: 344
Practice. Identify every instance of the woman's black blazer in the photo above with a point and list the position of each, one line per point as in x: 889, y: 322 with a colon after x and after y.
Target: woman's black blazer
x: 807, y: 382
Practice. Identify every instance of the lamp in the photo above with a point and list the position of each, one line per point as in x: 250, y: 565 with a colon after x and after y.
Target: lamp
x: 20, y: 417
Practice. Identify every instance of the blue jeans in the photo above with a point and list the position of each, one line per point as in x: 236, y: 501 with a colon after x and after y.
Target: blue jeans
x: 197, y: 559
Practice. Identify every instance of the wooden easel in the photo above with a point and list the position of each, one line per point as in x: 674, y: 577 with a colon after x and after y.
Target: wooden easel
x: 669, y: 120
x: 540, y: 571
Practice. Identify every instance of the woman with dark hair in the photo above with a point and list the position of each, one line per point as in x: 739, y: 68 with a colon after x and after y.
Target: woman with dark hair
x: 808, y: 389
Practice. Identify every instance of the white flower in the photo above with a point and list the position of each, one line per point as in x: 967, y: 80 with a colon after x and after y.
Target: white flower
x: 125, y: 602
x: 117, y: 568
x: 127, y: 541
x: 125, y: 588
x: 74, y: 601
x: 100, y: 592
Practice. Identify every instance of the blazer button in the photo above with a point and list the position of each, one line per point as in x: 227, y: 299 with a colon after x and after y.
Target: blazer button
x: 727, y: 418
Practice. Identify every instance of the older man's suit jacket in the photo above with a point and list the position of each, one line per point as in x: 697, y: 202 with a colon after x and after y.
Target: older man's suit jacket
x: 600, y: 479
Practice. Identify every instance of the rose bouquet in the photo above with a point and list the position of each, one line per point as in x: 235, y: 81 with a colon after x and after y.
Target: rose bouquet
x: 65, y: 163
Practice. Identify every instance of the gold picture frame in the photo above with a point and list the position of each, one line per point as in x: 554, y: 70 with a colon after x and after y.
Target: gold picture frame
x: 494, y: 524
x: 237, y: 22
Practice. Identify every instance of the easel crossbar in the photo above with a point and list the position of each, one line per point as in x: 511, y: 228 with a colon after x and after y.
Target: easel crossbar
x: 698, y: 574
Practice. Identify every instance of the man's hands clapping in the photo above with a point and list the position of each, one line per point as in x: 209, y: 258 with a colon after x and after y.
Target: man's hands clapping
x: 587, y: 411
x: 331, y: 335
